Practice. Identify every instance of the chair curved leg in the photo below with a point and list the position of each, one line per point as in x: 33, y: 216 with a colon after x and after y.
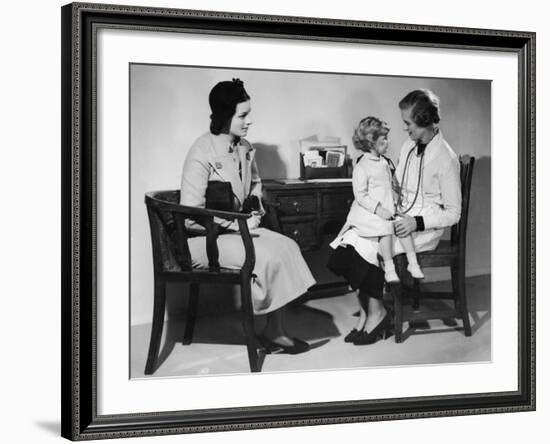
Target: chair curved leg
x: 156, y: 329
x: 396, y: 291
x: 416, y: 295
x: 461, y: 287
x: 254, y: 357
x: 454, y: 284
x: 194, y: 288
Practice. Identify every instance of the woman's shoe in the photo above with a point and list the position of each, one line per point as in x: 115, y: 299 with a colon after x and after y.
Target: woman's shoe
x: 415, y: 271
x: 382, y: 331
x: 271, y: 346
x: 354, y: 332
x: 351, y: 335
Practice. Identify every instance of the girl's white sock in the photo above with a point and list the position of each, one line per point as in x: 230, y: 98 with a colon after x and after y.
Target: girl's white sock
x: 411, y: 257
x: 389, y: 272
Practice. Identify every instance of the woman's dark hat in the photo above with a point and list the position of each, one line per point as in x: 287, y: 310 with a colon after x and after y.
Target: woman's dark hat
x: 223, y: 100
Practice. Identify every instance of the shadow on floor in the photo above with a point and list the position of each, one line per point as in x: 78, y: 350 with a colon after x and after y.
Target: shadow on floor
x: 302, y: 321
x: 479, y: 286
x: 218, y: 345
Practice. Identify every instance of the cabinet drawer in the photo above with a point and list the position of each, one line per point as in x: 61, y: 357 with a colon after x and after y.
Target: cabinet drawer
x: 304, y: 233
x: 299, y: 204
x: 336, y: 203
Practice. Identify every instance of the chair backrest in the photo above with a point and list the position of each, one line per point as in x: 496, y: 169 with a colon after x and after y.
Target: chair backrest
x: 168, y: 232
x: 458, y: 231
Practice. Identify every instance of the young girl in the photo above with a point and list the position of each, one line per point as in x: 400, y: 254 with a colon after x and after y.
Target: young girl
x: 373, y: 210
x: 371, y: 217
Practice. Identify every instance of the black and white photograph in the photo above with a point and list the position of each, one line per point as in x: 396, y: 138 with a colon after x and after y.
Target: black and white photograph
x: 295, y: 221
x: 274, y: 221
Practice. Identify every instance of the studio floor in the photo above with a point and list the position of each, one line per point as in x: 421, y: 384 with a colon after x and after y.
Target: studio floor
x: 218, y: 344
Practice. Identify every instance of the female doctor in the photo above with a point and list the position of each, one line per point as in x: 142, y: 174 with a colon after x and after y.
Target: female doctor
x: 429, y: 199
x: 222, y: 154
x: 428, y: 173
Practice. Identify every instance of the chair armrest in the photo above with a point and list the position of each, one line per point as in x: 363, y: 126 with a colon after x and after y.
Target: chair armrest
x: 174, y: 208
x: 212, y: 251
x: 249, y: 251
x: 206, y: 216
x: 207, y: 212
x: 212, y: 231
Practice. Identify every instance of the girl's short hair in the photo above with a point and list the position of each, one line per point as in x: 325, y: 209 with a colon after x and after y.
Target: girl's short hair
x: 223, y: 100
x: 369, y: 125
x: 424, y: 106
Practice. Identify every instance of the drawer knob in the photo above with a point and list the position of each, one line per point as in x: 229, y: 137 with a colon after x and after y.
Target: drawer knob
x: 296, y: 206
x: 296, y: 234
x: 349, y: 202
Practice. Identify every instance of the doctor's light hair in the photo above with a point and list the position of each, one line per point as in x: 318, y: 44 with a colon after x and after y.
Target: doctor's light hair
x: 424, y: 106
x: 367, y: 132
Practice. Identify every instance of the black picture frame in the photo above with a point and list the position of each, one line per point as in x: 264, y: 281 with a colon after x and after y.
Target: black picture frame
x: 80, y: 420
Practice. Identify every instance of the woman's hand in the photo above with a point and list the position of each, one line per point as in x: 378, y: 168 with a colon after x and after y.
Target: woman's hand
x: 253, y: 221
x: 383, y: 213
x: 404, y: 226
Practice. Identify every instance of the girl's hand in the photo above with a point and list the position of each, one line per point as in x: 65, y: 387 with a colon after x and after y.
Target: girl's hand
x: 383, y: 213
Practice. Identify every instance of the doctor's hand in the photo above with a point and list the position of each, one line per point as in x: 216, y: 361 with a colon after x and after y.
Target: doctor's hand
x: 404, y: 226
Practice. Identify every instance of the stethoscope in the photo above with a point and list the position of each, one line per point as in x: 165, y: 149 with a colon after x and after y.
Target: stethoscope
x: 405, y: 172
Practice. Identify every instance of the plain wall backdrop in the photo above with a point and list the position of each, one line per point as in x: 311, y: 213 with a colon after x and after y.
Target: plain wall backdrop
x: 169, y: 110
x: 30, y: 234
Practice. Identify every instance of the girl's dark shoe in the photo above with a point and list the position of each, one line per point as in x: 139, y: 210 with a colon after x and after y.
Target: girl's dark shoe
x: 382, y: 331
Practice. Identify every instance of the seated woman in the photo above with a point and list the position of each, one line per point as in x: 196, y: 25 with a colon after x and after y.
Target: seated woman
x: 280, y: 274
x: 429, y: 199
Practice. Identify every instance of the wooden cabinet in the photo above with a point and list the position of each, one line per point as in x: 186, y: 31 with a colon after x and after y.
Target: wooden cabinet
x: 306, y: 211
x: 297, y: 204
x: 311, y: 214
x: 336, y: 202
x: 303, y: 232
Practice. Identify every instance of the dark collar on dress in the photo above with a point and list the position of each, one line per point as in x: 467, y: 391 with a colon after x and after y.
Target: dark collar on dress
x: 420, y: 148
x: 235, y: 144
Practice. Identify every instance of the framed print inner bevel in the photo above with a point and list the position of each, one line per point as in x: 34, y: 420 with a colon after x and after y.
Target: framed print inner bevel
x: 99, y: 43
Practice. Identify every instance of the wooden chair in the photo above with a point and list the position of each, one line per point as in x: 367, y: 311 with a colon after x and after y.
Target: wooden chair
x: 449, y: 253
x: 172, y: 263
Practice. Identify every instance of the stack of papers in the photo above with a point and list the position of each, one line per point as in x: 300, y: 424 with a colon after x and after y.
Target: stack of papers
x: 334, y: 159
x: 312, y: 158
x: 324, y: 151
